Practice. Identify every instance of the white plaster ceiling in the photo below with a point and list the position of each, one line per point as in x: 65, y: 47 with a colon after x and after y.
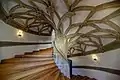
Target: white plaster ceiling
x: 79, y: 17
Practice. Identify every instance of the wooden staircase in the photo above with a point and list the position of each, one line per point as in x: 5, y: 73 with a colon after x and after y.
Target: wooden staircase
x: 36, y: 65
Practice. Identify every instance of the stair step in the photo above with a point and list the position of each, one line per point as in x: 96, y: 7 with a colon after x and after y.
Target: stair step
x: 19, y: 60
x: 35, y: 51
x: 86, y: 78
x: 66, y: 78
x: 51, y: 77
x: 74, y: 77
x: 47, y: 51
x: 39, y: 74
x: 33, y: 56
x: 28, y: 53
x: 93, y: 79
x: 57, y: 77
x: 23, y: 66
x: 62, y: 77
x: 47, y: 75
x: 22, y: 74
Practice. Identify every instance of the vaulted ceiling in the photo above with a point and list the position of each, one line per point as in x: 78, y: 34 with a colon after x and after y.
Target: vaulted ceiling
x: 28, y: 16
x: 91, y: 26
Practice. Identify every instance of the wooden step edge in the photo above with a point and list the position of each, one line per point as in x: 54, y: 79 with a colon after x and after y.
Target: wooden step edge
x: 46, y: 49
x: 33, y: 56
x: 28, y: 53
x: 62, y: 76
x: 45, y: 77
x: 53, y: 75
x: 13, y: 65
x: 43, y: 53
x: 37, y: 75
x: 16, y: 69
x: 19, y: 75
x: 19, y: 60
x: 36, y: 51
x: 86, y: 78
x: 66, y: 78
x: 8, y: 65
x: 57, y: 77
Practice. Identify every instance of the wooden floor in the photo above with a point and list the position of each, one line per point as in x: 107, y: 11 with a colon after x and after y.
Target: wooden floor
x: 36, y: 65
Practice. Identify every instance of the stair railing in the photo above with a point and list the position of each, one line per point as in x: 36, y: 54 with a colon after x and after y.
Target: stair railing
x: 70, y: 67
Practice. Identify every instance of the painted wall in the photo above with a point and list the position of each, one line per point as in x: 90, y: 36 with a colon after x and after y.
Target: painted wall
x: 109, y: 59
x: 99, y: 75
x: 8, y: 33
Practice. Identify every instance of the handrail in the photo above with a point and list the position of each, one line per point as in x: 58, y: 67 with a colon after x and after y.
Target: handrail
x: 70, y: 66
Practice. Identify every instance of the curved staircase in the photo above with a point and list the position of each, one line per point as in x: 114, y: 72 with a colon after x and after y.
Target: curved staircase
x: 36, y: 65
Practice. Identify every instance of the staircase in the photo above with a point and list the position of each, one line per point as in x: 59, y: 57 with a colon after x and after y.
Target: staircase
x: 36, y: 65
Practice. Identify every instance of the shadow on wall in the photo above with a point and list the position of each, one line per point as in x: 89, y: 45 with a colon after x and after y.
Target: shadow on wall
x: 99, y: 75
x: 0, y: 54
x: 109, y: 59
x: 117, y: 61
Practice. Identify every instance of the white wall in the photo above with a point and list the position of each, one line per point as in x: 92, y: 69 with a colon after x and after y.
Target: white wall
x: 109, y: 59
x: 8, y: 33
x: 99, y: 75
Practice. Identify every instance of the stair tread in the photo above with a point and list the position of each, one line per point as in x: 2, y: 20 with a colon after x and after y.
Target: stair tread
x: 11, y: 68
x: 52, y: 76
x: 33, y: 56
x: 47, y: 51
x: 24, y: 60
x: 44, y: 77
x: 36, y: 65
x: 16, y: 64
x: 67, y: 78
x: 62, y: 77
x: 27, y: 72
x: 28, y: 53
x: 57, y: 77
x: 38, y: 75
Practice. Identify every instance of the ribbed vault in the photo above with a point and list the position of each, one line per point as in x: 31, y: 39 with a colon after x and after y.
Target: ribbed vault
x: 86, y: 28
x: 28, y: 17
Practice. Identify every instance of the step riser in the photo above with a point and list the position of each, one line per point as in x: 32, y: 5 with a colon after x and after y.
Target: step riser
x: 33, y: 56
